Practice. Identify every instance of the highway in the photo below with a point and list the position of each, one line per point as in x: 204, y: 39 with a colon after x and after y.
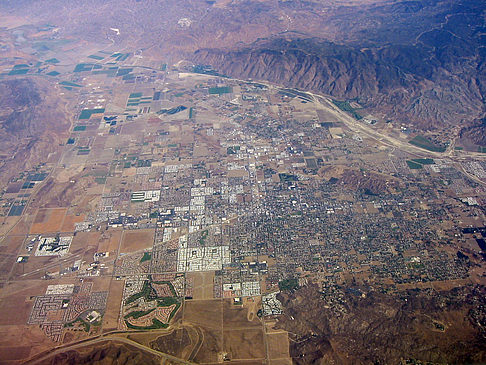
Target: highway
x: 99, y: 340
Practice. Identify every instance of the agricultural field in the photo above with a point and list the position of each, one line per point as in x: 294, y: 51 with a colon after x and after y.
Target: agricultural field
x: 425, y: 143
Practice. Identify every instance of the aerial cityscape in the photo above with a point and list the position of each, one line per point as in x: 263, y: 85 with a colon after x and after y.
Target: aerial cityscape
x: 164, y: 204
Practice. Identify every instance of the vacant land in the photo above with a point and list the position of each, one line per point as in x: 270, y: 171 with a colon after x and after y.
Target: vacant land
x: 15, y: 302
x: 236, y: 316
x: 70, y: 221
x: 224, y: 329
x: 137, y: 240
x: 203, y: 284
x: 205, y: 313
x: 278, y: 345
x: 244, y: 343
x: 180, y: 342
x: 8, y: 250
x: 82, y: 241
x: 48, y: 221
x: 110, y: 241
x: 110, y: 319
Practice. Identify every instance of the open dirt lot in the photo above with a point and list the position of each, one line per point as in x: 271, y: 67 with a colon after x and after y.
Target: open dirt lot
x: 82, y: 241
x: 203, y: 284
x: 113, y: 305
x: 16, y: 302
x: 211, y: 348
x: 278, y: 345
x: 137, y: 240
x: 8, y: 254
x: 70, y: 221
x: 20, y: 342
x: 16, y: 226
x: 110, y: 241
x: 281, y: 362
x: 206, y: 317
x: 48, y: 221
x: 224, y: 328
x: 205, y: 313
x: 236, y: 316
x: 244, y: 343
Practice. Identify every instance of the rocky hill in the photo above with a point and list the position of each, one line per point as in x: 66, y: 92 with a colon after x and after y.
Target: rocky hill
x: 436, y: 79
x: 414, y: 61
x: 376, y: 328
x: 32, y: 124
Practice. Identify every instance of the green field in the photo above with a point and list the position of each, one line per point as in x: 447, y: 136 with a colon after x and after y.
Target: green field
x: 422, y: 142
x: 424, y: 161
x: 83, y: 67
x: 52, y: 60
x: 53, y: 73
x: 288, y: 284
x: 147, y: 292
x: 206, y: 70
x: 220, y: 90
x: 110, y: 72
x: 414, y: 165
x: 146, y: 257
x: 83, y: 151
x: 18, y: 71
x: 120, y: 56
x: 79, y: 128
x: 95, y: 57
x: 204, y: 235
x: 69, y: 83
x: 85, y: 324
x: 138, y: 314
x: 346, y: 107
x: 87, y: 113
x: 124, y: 71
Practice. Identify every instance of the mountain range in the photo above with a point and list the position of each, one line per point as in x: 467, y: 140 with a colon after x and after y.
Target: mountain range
x: 415, y: 62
